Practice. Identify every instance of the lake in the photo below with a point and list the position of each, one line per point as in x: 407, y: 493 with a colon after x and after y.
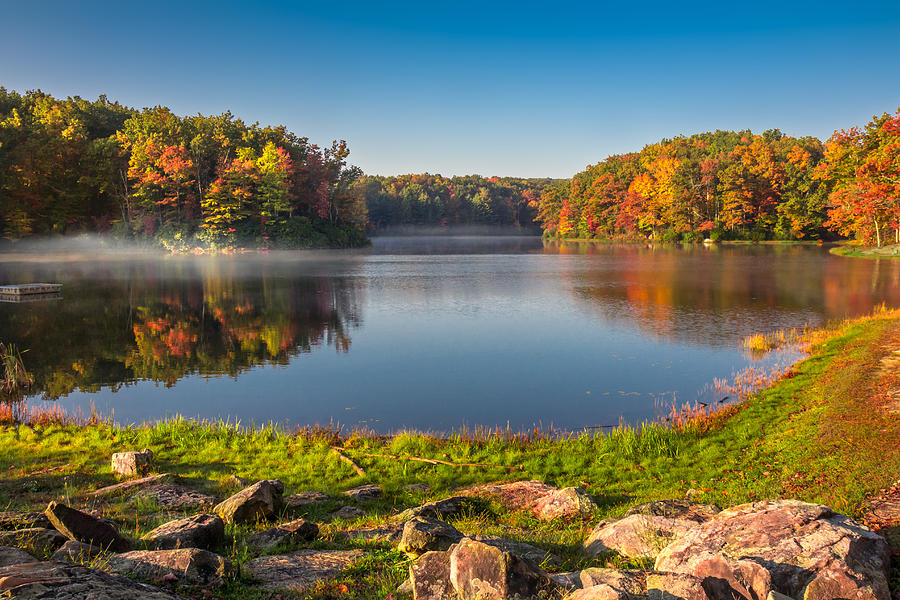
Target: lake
x: 424, y: 333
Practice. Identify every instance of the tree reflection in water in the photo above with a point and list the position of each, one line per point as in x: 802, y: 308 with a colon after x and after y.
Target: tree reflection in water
x: 162, y: 321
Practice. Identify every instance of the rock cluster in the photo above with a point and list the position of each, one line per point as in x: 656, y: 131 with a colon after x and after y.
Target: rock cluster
x: 759, y: 551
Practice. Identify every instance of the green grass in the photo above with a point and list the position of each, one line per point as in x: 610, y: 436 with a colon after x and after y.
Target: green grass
x: 856, y: 251
x: 816, y: 435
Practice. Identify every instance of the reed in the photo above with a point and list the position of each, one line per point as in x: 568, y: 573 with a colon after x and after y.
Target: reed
x: 16, y: 380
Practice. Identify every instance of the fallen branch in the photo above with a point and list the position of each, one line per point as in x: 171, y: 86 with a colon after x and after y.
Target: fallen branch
x: 435, y: 461
x: 349, y: 461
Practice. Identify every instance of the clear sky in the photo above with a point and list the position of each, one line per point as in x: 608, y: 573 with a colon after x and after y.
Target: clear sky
x: 521, y: 88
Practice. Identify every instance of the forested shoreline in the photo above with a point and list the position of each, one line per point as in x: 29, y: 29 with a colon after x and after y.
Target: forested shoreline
x: 72, y: 166
x: 737, y: 185
x: 215, y: 182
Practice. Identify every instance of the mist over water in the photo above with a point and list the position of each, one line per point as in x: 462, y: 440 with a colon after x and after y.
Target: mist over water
x: 425, y: 333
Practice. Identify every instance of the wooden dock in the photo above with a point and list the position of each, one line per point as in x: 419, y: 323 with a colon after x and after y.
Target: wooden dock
x: 30, y: 289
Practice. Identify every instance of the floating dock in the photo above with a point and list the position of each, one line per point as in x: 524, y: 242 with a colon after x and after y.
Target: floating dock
x: 30, y: 289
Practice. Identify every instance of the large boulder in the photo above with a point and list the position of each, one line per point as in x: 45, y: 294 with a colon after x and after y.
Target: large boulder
x: 59, y: 581
x: 294, y: 532
x: 301, y: 569
x: 14, y: 556
x: 199, y: 531
x: 429, y: 577
x: 636, y: 536
x: 83, y: 527
x: 37, y: 540
x: 262, y: 500
x: 786, y: 546
x: 129, y: 464
x: 482, y: 572
x: 187, y: 566
x: 544, y: 501
x: 422, y: 534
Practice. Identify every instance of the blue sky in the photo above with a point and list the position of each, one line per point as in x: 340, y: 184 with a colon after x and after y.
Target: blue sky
x: 527, y: 89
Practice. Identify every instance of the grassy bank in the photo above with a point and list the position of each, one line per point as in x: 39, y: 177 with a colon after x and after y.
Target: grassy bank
x: 853, y: 250
x: 823, y: 433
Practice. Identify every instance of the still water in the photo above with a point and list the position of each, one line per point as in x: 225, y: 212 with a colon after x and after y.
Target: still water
x: 431, y: 334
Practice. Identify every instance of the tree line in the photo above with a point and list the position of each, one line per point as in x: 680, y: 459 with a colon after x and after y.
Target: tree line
x: 737, y: 185
x: 75, y: 165
x: 212, y: 181
x: 433, y: 200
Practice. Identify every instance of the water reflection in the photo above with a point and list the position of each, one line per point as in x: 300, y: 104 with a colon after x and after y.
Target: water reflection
x: 120, y: 322
x: 459, y: 331
x: 717, y: 295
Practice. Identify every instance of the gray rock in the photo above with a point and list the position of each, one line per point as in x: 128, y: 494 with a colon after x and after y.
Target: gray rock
x: 59, y: 581
x: 23, y: 520
x: 421, y: 535
x: 794, y: 548
x: 365, y: 493
x: 190, y: 566
x: 176, y: 497
x: 636, y: 536
x: 131, y: 485
x: 482, y: 572
x: 76, y: 552
x: 305, y: 499
x: 294, y: 532
x: 260, y: 501
x: 128, y: 464
x: 14, y: 556
x: 82, y: 527
x: 301, y: 569
x: 347, y: 513
x: 36, y: 540
x: 429, y: 577
x: 200, y: 531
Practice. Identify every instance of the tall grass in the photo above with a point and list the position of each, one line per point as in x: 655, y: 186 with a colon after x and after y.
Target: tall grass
x: 15, y: 380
